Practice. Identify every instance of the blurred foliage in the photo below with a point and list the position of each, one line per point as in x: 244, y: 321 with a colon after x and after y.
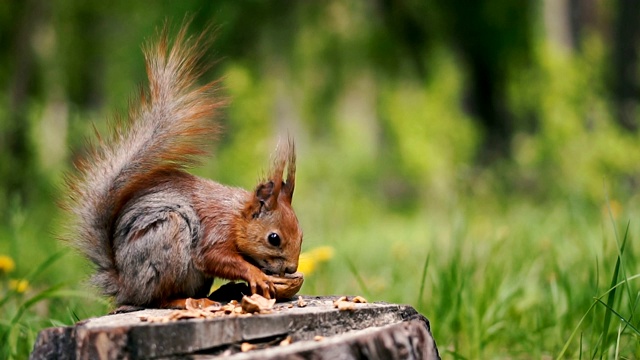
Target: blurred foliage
x: 487, y: 135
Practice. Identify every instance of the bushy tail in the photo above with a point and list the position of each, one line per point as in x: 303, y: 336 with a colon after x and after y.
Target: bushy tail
x: 167, y: 131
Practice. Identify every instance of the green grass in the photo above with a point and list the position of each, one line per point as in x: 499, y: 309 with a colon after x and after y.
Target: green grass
x: 527, y: 282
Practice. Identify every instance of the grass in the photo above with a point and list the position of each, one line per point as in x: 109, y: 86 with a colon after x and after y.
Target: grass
x: 529, y: 282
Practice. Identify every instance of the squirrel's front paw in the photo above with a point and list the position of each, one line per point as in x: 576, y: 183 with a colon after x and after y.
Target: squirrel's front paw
x: 260, y: 283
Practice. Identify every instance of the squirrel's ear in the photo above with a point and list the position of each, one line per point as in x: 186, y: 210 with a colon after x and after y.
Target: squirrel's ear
x: 264, y: 199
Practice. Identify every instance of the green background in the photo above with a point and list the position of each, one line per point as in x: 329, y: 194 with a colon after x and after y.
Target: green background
x: 477, y: 160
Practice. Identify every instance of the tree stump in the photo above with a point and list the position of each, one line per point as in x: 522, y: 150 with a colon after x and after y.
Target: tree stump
x: 308, y: 328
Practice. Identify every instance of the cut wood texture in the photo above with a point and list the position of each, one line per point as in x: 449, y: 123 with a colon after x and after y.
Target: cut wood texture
x: 305, y: 328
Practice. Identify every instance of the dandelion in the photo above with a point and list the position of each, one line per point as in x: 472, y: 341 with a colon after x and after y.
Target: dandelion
x: 322, y: 253
x: 6, y: 264
x: 306, y: 264
x: 19, y: 286
x: 309, y: 260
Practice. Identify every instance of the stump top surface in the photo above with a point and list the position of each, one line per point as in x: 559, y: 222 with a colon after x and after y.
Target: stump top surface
x: 314, y: 305
x: 145, y: 333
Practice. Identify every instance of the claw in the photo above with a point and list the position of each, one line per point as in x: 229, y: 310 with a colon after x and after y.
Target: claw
x: 272, y: 290
x: 266, y: 290
x: 261, y: 284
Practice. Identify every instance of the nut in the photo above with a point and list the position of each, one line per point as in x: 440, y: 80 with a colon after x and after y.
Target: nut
x: 287, y: 286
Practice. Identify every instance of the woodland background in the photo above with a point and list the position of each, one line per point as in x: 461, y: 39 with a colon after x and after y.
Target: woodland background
x: 479, y: 160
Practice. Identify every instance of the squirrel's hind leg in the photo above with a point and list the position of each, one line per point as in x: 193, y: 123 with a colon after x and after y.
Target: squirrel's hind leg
x: 153, y: 242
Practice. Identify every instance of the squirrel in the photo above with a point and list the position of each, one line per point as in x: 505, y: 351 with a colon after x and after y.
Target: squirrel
x: 158, y: 234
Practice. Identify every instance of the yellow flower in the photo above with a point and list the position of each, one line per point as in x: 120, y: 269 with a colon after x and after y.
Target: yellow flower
x: 306, y: 264
x: 6, y: 264
x: 322, y: 253
x: 309, y: 260
x: 19, y: 286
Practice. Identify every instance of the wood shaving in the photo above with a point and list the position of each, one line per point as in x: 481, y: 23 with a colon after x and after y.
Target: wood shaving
x: 202, y: 304
x: 207, y: 309
x: 247, y: 347
x: 185, y: 314
x: 318, y: 338
x: 287, y: 341
x: 228, y: 308
x: 254, y: 304
x: 345, y: 305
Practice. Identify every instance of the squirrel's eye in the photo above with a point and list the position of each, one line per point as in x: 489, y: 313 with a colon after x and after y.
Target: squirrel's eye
x: 274, y: 239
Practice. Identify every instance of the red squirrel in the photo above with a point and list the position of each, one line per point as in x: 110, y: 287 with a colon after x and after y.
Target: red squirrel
x: 157, y: 234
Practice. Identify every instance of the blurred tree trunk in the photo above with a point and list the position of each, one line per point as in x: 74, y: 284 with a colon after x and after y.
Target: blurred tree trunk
x: 18, y: 176
x: 583, y: 16
x: 625, y: 63
x: 493, y: 37
x: 487, y: 101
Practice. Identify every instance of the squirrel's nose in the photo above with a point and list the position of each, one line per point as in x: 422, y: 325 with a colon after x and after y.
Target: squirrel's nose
x: 291, y: 269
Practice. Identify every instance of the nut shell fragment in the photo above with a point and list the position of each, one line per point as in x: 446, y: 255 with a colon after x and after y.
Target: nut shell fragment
x: 289, y: 285
x: 359, y: 299
x: 256, y: 303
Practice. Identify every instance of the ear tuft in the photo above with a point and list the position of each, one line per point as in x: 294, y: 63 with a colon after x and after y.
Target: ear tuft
x: 289, y: 185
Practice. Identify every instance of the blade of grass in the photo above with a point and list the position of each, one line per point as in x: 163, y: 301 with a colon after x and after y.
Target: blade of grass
x: 575, y: 330
x: 359, y: 279
x: 45, y: 264
x: 612, y: 311
x: 610, y: 299
x: 423, y: 280
x: 455, y: 355
x: 35, y: 272
x: 623, y: 268
x: 619, y: 248
x: 617, y: 355
x: 45, y: 294
x: 614, y: 279
x: 580, y: 357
